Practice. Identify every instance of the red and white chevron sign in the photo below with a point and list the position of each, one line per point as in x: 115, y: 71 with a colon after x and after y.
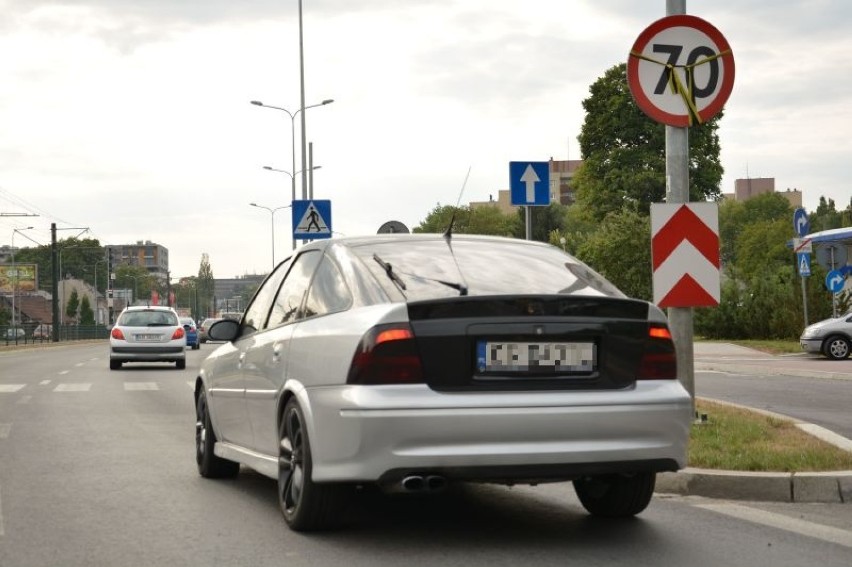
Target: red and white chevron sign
x: 685, y: 254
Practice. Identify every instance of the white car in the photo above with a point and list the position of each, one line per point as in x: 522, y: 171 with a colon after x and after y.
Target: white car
x: 147, y: 334
x: 831, y: 337
x: 414, y: 361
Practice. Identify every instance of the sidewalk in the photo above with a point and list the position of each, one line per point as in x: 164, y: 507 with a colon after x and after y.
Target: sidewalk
x: 825, y: 487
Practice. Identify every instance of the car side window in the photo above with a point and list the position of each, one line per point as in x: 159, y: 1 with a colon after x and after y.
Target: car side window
x: 285, y: 309
x: 328, y: 292
x: 254, y: 318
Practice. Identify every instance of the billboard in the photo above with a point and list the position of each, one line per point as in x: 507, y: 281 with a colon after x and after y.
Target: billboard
x: 23, y: 277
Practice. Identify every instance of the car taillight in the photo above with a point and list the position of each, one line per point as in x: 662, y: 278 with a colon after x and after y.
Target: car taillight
x: 659, y: 360
x: 117, y: 334
x: 387, y: 354
x: 178, y: 334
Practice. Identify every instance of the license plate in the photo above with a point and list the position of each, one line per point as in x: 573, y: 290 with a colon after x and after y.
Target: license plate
x: 147, y: 337
x: 537, y: 357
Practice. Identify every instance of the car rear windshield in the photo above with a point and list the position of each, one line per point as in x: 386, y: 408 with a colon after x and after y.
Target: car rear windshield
x: 151, y: 318
x: 431, y: 269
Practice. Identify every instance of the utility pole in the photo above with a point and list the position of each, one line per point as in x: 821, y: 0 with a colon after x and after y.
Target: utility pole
x: 54, y: 288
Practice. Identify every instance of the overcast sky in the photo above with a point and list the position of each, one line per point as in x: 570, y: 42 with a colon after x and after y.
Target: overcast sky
x: 132, y: 117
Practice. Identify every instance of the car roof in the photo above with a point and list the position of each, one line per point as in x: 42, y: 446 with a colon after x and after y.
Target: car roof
x: 149, y: 308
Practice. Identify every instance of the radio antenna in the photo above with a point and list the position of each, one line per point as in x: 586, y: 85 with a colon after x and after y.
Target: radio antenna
x: 448, y: 234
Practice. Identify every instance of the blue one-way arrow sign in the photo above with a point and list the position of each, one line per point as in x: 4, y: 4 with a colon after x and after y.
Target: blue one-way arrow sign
x: 800, y: 222
x: 834, y: 281
x: 529, y: 182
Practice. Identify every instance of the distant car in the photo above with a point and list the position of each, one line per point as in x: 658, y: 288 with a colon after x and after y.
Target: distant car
x: 415, y: 361
x: 191, y: 333
x: 15, y: 334
x: 147, y: 334
x: 831, y: 337
x: 204, y: 327
x: 42, y: 332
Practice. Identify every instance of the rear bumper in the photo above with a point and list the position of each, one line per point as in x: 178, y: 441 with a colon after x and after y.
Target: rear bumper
x: 148, y: 353
x: 384, y: 433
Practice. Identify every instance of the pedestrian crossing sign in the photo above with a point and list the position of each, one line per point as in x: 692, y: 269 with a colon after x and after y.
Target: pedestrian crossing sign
x: 311, y: 219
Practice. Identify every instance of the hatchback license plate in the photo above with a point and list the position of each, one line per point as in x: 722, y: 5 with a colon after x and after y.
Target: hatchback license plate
x: 148, y: 338
x: 538, y: 357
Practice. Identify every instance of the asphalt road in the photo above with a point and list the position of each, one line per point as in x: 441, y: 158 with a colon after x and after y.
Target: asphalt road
x: 97, y: 469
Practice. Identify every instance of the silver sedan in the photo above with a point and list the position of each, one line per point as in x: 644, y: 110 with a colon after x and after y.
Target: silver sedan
x: 414, y: 361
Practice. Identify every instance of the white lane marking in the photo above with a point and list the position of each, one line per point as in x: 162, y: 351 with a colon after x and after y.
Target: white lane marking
x: 2, y: 533
x: 5, y: 428
x: 9, y: 388
x: 24, y: 400
x: 64, y: 372
x: 44, y: 383
x: 73, y: 387
x: 79, y: 364
x: 782, y: 522
x: 131, y: 386
x: 191, y: 385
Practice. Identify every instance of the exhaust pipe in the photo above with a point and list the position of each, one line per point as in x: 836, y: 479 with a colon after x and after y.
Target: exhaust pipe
x: 436, y: 483
x: 414, y: 483
x: 418, y: 483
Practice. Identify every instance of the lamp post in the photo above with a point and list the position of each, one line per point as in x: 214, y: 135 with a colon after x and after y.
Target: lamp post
x: 293, y: 179
x: 272, y: 216
x: 292, y: 116
x: 14, y: 267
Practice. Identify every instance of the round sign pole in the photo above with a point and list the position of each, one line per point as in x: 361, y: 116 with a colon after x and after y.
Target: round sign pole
x: 677, y: 191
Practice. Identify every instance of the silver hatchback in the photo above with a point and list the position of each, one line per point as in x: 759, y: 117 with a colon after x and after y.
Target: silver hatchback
x: 147, y: 334
x: 415, y: 361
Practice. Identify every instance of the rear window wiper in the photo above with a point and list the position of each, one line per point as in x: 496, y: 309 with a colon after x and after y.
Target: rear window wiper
x: 394, y: 276
x: 390, y: 273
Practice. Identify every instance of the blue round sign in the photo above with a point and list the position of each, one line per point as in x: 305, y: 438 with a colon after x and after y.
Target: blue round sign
x: 800, y: 222
x: 834, y: 281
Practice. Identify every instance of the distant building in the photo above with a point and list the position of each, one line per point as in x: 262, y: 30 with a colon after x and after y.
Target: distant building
x: 745, y: 189
x: 228, y: 292
x: 561, y: 189
x: 150, y: 255
x: 561, y: 175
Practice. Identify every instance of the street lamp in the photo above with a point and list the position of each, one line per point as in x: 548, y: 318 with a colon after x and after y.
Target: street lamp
x: 292, y: 116
x: 272, y: 216
x: 14, y: 267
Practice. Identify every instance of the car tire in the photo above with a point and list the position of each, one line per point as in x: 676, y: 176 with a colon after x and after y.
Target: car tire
x: 115, y: 365
x: 306, y: 505
x: 180, y: 364
x: 836, y: 347
x: 616, y: 496
x: 209, y: 465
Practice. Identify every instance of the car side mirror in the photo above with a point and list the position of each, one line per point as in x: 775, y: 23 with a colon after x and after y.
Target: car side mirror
x: 224, y: 330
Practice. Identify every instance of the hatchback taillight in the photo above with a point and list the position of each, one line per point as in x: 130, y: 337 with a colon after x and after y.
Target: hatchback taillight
x: 178, y: 334
x: 117, y: 334
x: 659, y: 359
x: 387, y: 354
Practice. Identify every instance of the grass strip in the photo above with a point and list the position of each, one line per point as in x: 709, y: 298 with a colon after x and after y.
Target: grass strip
x: 740, y: 440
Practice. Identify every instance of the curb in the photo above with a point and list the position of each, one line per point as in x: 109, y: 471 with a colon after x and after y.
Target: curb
x: 821, y: 487
x: 804, y: 487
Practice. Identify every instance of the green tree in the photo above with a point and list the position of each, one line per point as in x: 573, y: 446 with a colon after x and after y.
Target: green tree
x: 135, y: 278
x: 621, y: 251
x: 72, y: 305
x: 544, y: 221
x: 469, y: 220
x: 624, y: 152
x: 87, y: 316
x: 761, y: 248
x: 205, y: 287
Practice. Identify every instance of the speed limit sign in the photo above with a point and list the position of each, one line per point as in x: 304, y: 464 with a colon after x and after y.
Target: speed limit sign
x: 681, y: 71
